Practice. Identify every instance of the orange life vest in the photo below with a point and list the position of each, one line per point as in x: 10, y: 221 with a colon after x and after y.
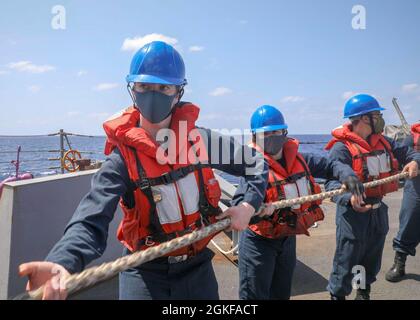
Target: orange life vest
x: 371, y: 160
x: 415, y: 131
x: 294, y: 180
x: 170, y: 199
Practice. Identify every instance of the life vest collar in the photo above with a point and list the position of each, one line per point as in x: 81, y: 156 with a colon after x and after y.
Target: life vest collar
x: 285, y: 183
x: 290, y: 151
x: 124, y: 129
x: 345, y: 133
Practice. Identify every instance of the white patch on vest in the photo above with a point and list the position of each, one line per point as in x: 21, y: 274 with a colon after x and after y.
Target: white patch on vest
x: 378, y: 164
x: 189, y: 193
x: 298, y: 189
x: 167, y: 209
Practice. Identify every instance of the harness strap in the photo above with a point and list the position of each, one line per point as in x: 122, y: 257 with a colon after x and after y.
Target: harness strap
x: 173, y: 176
x: 364, y: 163
x: 164, y: 237
x: 307, y: 172
x: 205, y: 208
x: 143, y: 184
x: 277, y: 184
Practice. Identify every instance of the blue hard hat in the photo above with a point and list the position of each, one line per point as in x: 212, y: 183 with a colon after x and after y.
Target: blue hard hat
x: 267, y: 118
x: 361, y: 104
x: 157, y: 62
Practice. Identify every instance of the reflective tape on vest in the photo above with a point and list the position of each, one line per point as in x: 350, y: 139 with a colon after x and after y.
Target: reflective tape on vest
x: 378, y: 164
x: 168, y: 208
x: 300, y: 188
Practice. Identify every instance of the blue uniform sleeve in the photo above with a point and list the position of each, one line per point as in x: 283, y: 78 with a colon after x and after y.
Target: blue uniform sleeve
x: 339, y: 153
x: 85, y: 237
x: 227, y: 154
x: 403, y: 153
x: 325, y: 168
x: 409, y: 141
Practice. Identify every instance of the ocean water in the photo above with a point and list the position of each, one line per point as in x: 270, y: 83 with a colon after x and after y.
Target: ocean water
x: 36, y: 150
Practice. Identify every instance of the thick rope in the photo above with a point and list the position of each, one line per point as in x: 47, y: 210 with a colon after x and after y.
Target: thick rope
x: 105, y: 271
x: 333, y: 193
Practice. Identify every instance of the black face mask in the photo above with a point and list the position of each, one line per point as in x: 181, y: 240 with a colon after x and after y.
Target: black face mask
x: 272, y: 144
x: 154, y: 106
x: 379, y: 127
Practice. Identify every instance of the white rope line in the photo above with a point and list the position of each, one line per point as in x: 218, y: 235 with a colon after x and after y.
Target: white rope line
x: 223, y: 251
x: 105, y: 271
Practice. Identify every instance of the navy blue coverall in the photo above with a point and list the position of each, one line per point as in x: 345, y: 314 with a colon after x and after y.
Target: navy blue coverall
x: 360, y: 237
x: 408, y: 236
x: 266, y: 265
x: 86, y: 234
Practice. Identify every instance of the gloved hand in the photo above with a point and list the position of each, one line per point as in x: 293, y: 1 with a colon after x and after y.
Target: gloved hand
x: 355, y: 186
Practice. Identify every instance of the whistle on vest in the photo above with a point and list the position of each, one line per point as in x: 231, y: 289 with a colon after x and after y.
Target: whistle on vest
x: 157, y: 196
x: 287, y: 217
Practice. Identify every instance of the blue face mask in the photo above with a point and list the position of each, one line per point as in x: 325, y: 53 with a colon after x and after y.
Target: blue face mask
x: 154, y: 106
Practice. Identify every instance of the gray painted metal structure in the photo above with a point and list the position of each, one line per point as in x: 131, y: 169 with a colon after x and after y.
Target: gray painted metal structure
x: 33, y: 216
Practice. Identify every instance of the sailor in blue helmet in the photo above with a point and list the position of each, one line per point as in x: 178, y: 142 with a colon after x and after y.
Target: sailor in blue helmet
x: 162, y: 198
x: 408, y: 237
x: 362, y: 228
x: 267, y: 249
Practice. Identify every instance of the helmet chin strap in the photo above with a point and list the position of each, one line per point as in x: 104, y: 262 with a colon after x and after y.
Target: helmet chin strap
x: 372, y: 124
x: 131, y: 95
x: 180, y: 93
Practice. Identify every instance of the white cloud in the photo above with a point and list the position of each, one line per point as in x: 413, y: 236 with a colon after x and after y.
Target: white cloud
x: 292, y: 99
x: 81, y: 73
x: 99, y: 115
x: 73, y: 113
x: 105, y: 86
x: 196, y: 48
x: 34, y: 89
x: 411, y: 87
x: 2, y: 72
x: 211, y: 116
x: 221, y: 91
x: 28, y: 66
x: 348, y: 94
x: 133, y: 44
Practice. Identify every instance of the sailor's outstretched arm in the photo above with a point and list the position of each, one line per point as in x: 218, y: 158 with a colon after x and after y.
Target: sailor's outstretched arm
x: 324, y: 168
x: 227, y: 154
x: 403, y: 153
x: 86, y: 234
x: 339, y: 152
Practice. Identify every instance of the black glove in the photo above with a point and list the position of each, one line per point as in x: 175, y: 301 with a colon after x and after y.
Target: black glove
x: 354, y: 185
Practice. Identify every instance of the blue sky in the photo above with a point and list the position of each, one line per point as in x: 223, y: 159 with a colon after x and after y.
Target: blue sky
x: 302, y: 56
